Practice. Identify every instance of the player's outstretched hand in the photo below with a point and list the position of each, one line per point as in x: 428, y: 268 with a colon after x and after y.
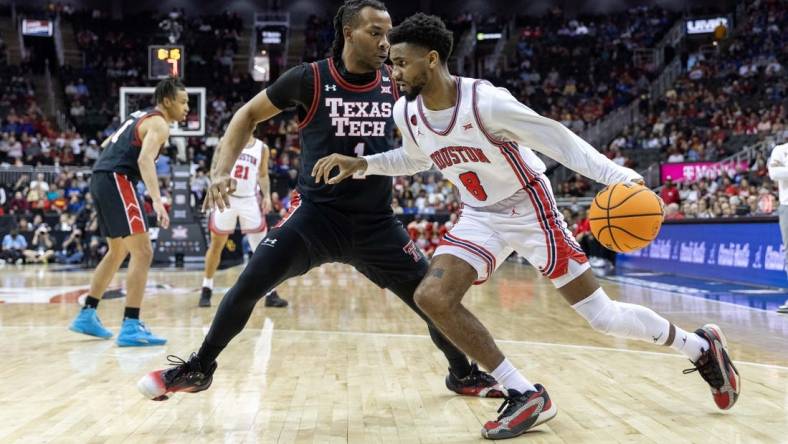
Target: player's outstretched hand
x: 347, y: 167
x: 218, y: 194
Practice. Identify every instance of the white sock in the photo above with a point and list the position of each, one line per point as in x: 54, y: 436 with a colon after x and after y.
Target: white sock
x: 269, y: 293
x: 511, y: 378
x: 690, y: 345
x: 207, y: 282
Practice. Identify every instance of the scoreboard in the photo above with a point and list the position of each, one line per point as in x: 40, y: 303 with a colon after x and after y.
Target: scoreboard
x: 165, y: 61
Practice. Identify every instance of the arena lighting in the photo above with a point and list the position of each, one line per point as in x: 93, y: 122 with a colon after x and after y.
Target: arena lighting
x: 480, y: 36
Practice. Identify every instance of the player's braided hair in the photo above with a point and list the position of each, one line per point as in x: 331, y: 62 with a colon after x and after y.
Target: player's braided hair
x: 346, y: 15
x: 167, y: 88
x: 427, y: 31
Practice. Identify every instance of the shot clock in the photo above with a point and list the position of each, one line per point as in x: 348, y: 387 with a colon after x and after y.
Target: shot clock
x: 165, y: 61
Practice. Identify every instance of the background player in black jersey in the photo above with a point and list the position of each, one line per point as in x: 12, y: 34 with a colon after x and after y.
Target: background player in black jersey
x: 128, y: 155
x: 344, y: 104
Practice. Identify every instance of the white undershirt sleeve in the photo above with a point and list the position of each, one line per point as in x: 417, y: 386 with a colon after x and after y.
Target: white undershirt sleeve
x: 404, y: 161
x: 506, y: 118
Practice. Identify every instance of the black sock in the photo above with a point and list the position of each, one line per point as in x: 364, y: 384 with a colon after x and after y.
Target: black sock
x: 460, y: 367
x: 208, y: 354
x: 91, y: 302
x: 131, y: 313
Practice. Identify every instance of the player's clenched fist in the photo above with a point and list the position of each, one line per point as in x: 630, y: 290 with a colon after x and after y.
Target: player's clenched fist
x: 218, y: 194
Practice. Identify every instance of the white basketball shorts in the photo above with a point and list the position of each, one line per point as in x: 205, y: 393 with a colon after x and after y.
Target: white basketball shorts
x: 530, y: 224
x: 245, y: 210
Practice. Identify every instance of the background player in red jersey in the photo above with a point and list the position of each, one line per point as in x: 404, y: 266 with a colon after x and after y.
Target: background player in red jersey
x: 128, y: 156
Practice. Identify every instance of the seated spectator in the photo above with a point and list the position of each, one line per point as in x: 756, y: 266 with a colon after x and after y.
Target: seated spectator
x: 703, y: 210
x: 13, y: 247
x: 395, y: 207
x: 40, y: 251
x: 672, y: 212
x: 64, y: 223
x: 24, y: 226
x: 71, y: 251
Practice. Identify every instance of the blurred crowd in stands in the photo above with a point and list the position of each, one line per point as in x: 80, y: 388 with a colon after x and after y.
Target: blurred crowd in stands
x: 575, y: 70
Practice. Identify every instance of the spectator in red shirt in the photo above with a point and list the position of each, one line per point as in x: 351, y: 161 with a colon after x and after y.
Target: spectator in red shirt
x: 583, y: 227
x: 18, y: 204
x: 729, y: 187
x: 669, y: 193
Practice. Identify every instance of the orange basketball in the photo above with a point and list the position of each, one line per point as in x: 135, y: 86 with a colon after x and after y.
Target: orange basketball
x: 625, y: 217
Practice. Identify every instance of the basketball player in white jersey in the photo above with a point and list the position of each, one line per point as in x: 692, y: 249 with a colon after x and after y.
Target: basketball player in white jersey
x: 778, y: 172
x: 481, y: 138
x: 251, y: 175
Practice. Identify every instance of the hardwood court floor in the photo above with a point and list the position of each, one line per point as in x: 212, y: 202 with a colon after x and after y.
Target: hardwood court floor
x: 348, y: 362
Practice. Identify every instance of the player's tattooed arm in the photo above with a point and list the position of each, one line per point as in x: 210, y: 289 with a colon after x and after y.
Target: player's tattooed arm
x: 437, y: 273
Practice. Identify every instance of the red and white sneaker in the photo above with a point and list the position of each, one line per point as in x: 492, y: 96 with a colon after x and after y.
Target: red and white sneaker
x: 521, y: 412
x: 477, y: 383
x: 717, y: 369
x: 183, y: 376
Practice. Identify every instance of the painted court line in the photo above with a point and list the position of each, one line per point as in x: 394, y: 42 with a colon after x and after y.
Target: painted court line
x: 268, y: 330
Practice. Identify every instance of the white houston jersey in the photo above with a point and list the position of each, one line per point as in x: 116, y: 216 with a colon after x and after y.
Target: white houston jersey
x: 485, y: 170
x: 246, y: 169
x: 486, y: 146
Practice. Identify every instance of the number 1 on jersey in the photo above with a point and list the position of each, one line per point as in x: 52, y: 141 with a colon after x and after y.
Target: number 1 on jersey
x: 359, y: 150
x: 473, y: 185
x: 120, y: 130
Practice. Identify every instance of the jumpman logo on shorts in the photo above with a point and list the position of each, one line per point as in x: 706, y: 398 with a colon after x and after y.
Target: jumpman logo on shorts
x: 514, y: 212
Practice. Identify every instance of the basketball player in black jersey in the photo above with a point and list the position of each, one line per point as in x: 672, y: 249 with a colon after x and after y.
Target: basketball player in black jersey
x: 128, y: 156
x: 344, y: 105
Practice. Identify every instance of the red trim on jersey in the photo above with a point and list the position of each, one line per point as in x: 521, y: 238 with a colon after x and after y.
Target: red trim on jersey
x: 348, y: 86
x: 137, y: 141
x: 553, y: 214
x: 560, y: 248
x: 263, y: 227
x: 454, y: 241
x: 394, y: 89
x: 478, y: 117
x: 407, y: 123
x: 295, y: 202
x: 213, y: 228
x: 131, y: 206
x: 453, y: 116
x: 315, y: 97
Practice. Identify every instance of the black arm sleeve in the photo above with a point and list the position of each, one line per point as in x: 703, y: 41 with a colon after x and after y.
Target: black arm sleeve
x: 293, y: 88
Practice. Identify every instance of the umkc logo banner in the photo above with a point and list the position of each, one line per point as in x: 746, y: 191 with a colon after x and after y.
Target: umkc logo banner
x: 690, y: 172
x: 749, y: 252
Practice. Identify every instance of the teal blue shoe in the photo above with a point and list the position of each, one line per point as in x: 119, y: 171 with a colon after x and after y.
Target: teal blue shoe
x: 88, y: 323
x: 134, y: 333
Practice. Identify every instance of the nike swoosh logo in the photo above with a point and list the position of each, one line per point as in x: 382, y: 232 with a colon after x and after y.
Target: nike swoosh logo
x: 657, y: 338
